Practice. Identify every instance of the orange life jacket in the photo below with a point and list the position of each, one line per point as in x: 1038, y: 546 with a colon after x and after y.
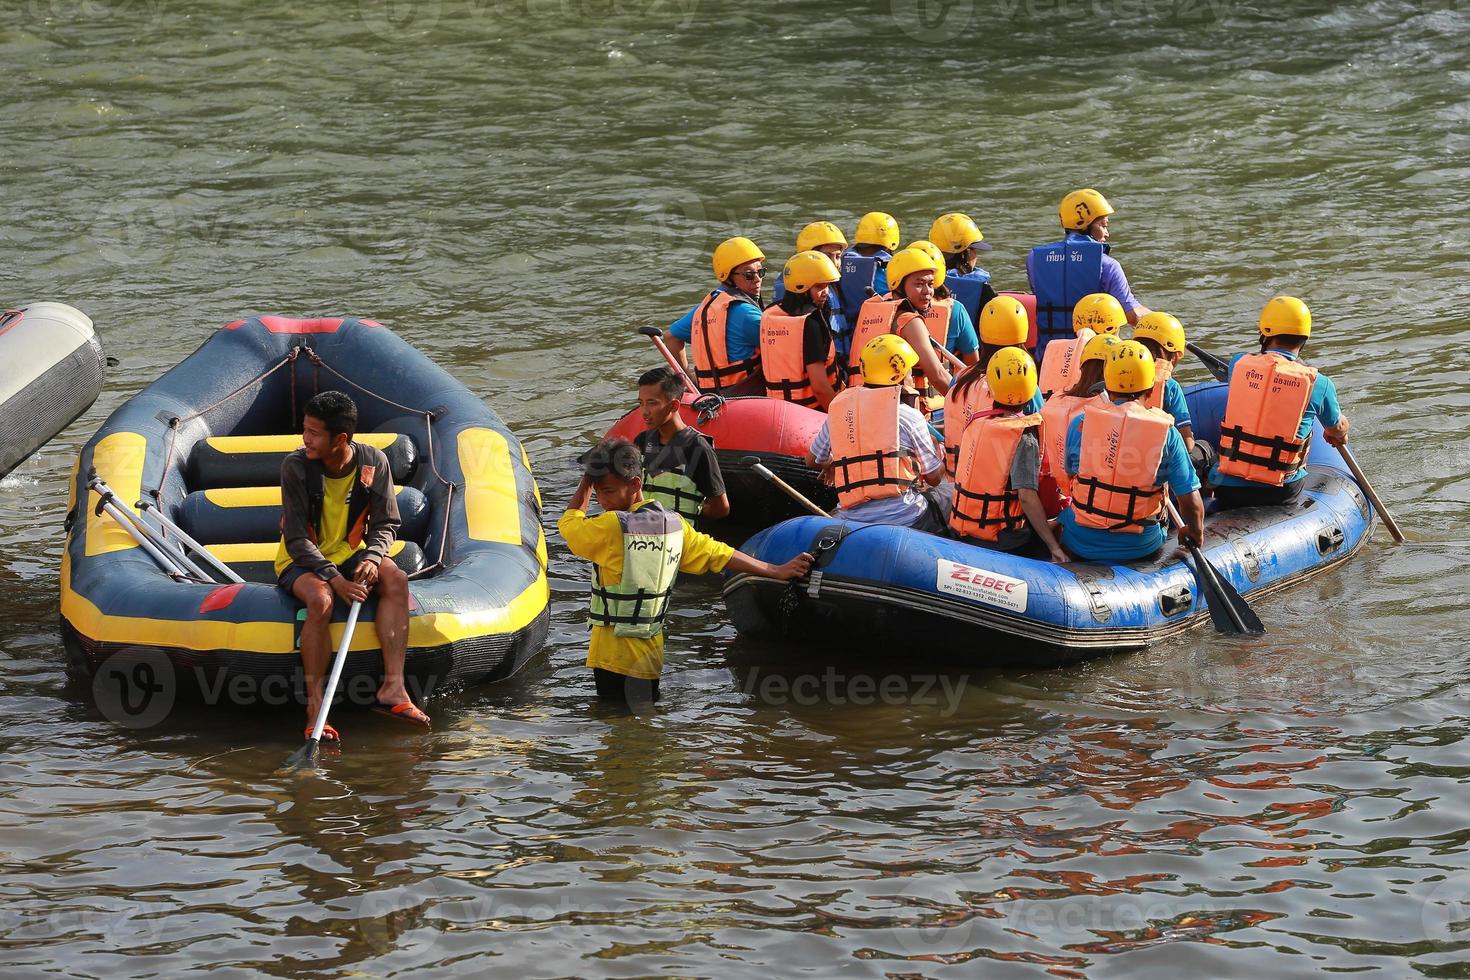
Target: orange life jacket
x: 1115, y: 488
x: 713, y: 369
x: 878, y: 315
x: 783, y: 361
x: 985, y: 503
x: 1268, y: 399
x: 1163, y: 371
x: 1061, y: 362
x: 936, y: 319
x: 959, y: 413
x: 867, y: 463
x: 1056, y: 418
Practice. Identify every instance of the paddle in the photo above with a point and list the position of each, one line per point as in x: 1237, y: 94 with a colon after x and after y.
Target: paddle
x: 754, y: 463
x: 1228, y: 610
x: 305, y: 757
x: 657, y: 336
x: 1221, y: 371
x: 1213, y: 364
x: 706, y: 405
x: 1371, y: 494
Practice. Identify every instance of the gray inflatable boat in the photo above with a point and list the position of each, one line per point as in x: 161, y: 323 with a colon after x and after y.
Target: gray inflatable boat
x: 52, y: 373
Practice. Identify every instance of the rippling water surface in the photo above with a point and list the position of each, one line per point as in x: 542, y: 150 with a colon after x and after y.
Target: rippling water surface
x: 514, y: 187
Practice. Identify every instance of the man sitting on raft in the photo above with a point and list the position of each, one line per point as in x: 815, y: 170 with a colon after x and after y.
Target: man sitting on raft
x: 338, y: 519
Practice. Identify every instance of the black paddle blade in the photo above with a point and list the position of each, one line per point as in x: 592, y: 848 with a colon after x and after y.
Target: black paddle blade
x: 1213, y: 364
x: 1249, y: 621
x: 1228, y: 611
x: 302, y: 758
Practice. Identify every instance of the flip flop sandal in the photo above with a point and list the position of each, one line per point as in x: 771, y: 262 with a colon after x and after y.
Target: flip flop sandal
x: 405, y: 712
x: 329, y: 734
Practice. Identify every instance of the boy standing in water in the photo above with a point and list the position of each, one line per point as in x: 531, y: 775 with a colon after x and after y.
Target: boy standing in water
x: 637, y: 548
x: 679, y: 466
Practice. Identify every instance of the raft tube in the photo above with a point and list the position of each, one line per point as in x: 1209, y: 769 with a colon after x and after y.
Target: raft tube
x: 775, y: 431
x: 885, y: 588
x: 204, y: 443
x: 53, y: 373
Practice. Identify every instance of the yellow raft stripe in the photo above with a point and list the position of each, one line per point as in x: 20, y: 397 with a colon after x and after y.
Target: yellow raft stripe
x: 260, y: 551
x: 250, y: 496
x: 287, y: 443
x: 535, y: 487
x: 491, y: 504
x: 119, y: 462
x: 426, y: 630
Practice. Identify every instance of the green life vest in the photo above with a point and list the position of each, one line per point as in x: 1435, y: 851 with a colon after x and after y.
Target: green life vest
x: 653, y: 544
x: 675, y: 491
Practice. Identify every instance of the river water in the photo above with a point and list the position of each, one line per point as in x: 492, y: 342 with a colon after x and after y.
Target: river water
x: 514, y: 187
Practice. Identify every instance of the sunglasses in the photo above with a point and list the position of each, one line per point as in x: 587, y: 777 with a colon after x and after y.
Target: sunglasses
x: 752, y: 274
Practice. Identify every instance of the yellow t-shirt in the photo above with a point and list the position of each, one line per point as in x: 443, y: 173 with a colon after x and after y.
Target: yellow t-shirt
x: 332, y: 531
x: 600, y: 539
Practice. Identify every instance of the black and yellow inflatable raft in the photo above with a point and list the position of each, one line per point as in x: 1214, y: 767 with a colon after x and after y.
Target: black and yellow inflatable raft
x: 203, y: 445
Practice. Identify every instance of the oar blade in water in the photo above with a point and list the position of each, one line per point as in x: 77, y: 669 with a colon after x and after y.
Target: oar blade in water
x: 302, y: 758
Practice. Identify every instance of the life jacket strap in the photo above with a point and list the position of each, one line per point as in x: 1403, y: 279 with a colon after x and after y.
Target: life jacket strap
x: 1086, y: 489
x: 884, y: 478
x: 1285, y: 454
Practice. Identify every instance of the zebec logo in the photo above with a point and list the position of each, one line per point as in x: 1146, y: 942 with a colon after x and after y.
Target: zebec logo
x: 982, y: 585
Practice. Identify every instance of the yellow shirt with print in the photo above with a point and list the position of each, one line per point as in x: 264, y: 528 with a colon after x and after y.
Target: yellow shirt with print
x: 332, y: 529
x: 600, y: 539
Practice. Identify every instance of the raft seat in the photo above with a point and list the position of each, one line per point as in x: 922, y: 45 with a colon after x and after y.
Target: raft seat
x: 234, y: 508
x: 255, y: 461
x: 255, y: 561
x: 230, y: 515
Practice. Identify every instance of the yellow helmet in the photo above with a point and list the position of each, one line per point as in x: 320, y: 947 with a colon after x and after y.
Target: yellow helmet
x: 819, y: 233
x: 806, y: 269
x: 1003, y: 322
x: 732, y: 252
x: 886, y: 359
x: 1163, y: 329
x: 1130, y: 368
x: 1098, y: 312
x: 954, y: 232
x: 1286, y: 315
x: 1080, y: 209
x: 905, y: 264
x: 1099, y: 347
x: 877, y: 228
x: 931, y: 250
x: 1012, y: 376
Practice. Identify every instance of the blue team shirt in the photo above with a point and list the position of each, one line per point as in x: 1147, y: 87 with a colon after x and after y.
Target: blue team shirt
x: 1175, y: 404
x: 1175, y: 469
x: 742, y: 329
x: 1322, y: 405
x: 962, y: 338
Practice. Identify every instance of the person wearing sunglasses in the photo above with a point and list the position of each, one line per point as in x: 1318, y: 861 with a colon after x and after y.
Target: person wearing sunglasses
x: 724, y: 330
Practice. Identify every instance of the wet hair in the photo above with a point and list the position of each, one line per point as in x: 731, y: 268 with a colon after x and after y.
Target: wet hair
x: 1284, y: 341
x: 335, y: 411
x: 612, y: 457
x: 668, y: 382
x: 1088, y: 377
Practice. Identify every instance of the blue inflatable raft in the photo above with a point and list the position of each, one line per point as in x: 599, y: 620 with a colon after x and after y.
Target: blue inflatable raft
x: 891, y: 588
x: 203, y: 445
